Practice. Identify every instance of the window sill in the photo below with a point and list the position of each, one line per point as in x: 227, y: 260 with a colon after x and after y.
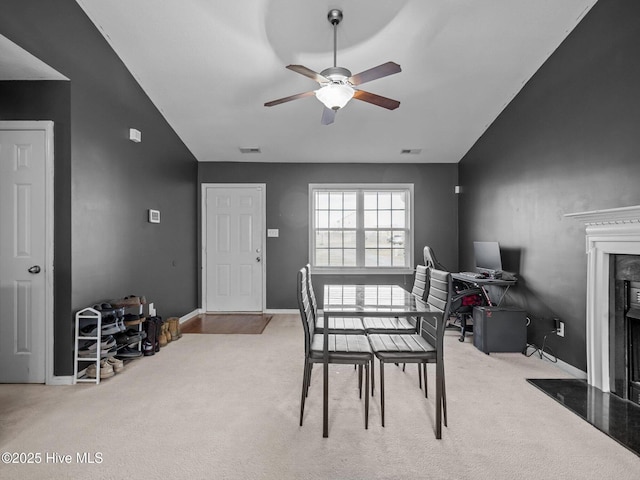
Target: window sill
x: 361, y: 271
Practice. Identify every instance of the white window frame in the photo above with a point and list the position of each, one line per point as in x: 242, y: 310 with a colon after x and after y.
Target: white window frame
x: 379, y: 187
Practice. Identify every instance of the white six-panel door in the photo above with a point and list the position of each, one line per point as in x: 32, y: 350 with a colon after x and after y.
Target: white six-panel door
x: 22, y: 256
x: 233, y: 235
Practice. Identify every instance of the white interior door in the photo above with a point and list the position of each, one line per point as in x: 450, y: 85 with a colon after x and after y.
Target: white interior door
x: 233, y: 248
x: 23, y: 256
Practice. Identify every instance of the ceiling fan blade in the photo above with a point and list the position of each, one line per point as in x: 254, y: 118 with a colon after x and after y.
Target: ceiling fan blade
x: 328, y: 116
x: 379, y: 100
x: 288, y: 99
x: 374, y: 73
x: 302, y: 70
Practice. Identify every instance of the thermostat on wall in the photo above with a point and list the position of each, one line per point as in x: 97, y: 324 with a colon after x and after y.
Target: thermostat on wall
x: 135, y: 135
x: 154, y: 216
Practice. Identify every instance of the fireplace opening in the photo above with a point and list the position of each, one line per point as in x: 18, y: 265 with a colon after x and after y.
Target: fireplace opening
x: 633, y: 322
x: 624, y: 329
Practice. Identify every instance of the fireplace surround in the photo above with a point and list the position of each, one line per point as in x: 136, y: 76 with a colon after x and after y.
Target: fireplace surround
x: 609, y: 232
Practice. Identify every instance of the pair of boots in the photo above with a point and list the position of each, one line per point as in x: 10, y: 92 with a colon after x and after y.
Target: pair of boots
x: 151, y: 344
x: 170, y: 331
x: 160, y: 333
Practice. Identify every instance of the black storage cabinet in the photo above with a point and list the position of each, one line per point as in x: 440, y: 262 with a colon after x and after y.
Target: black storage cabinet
x: 499, y: 329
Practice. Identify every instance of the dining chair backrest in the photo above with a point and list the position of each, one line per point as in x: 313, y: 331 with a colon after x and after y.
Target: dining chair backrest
x: 430, y: 260
x: 420, y: 282
x: 439, y: 301
x: 306, y: 309
x: 312, y: 294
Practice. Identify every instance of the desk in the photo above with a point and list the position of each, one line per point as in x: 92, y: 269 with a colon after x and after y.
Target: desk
x: 363, y: 301
x: 486, y: 282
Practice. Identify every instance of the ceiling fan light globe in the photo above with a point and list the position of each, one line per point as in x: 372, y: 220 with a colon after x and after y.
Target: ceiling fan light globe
x: 334, y: 95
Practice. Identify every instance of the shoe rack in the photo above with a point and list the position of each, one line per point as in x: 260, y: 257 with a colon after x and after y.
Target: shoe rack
x: 92, y: 317
x: 85, y: 317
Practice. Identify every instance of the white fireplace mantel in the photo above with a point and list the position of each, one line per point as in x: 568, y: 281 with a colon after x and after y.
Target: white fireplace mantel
x: 614, y: 231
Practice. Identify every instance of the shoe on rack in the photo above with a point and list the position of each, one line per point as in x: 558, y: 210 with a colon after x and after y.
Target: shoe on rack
x: 129, y: 301
x: 133, y: 298
x: 130, y: 337
x: 132, y: 320
x: 134, y: 331
x: 108, y: 310
x: 89, y: 330
x: 116, y: 363
x: 106, y: 370
x: 107, y: 342
x: 88, y: 351
x: 128, y: 352
x: 112, y: 325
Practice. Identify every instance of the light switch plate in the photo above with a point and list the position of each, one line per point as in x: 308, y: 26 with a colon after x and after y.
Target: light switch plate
x: 273, y: 232
x: 154, y: 216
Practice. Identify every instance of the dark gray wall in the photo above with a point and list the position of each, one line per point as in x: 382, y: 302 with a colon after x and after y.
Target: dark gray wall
x: 568, y: 142
x: 110, y: 181
x: 436, y: 212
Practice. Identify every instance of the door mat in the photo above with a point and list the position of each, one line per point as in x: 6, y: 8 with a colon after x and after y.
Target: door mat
x: 226, y: 324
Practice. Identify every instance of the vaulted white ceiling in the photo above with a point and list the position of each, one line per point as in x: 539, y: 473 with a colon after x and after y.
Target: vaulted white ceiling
x: 210, y: 65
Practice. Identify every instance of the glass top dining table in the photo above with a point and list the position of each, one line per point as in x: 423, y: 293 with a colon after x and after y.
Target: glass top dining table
x: 371, y: 301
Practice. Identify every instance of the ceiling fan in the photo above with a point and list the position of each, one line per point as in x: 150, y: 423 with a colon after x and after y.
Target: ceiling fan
x: 337, y: 84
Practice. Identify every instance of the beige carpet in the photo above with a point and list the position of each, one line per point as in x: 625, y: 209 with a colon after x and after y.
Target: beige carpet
x: 226, y: 407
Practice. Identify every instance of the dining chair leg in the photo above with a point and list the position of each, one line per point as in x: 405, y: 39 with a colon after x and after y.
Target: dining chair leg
x: 360, y: 381
x: 420, y: 377
x: 309, y: 369
x: 382, y: 391
x: 304, y: 389
x: 325, y: 401
x: 438, y: 403
x: 366, y: 395
x: 373, y: 376
x: 424, y: 369
x: 444, y: 398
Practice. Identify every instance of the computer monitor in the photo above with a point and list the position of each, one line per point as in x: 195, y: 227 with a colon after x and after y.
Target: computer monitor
x: 487, y: 255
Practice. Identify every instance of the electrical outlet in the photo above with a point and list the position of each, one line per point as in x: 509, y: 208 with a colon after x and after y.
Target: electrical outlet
x: 560, y: 330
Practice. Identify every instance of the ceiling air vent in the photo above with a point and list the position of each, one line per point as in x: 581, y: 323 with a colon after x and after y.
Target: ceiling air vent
x: 250, y: 150
x: 410, y: 151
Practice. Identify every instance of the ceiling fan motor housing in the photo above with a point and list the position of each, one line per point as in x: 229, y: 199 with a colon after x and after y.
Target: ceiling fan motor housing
x: 336, y: 74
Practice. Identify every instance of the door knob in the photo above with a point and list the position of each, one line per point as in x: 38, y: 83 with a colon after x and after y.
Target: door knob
x: 34, y: 269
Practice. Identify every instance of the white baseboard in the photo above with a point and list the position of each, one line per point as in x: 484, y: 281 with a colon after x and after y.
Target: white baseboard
x: 571, y: 370
x: 190, y: 315
x: 281, y: 310
x: 61, y: 380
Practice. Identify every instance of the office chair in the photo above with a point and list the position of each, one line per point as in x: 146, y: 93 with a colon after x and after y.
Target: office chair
x: 465, y: 295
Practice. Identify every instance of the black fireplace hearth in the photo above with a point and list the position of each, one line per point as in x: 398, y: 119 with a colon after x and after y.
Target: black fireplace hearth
x: 618, y: 418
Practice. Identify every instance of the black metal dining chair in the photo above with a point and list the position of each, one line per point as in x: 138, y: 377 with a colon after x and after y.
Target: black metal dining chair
x: 341, y: 348
x: 425, y: 347
x: 343, y: 325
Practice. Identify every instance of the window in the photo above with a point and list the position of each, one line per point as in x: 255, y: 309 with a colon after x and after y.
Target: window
x: 360, y: 228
